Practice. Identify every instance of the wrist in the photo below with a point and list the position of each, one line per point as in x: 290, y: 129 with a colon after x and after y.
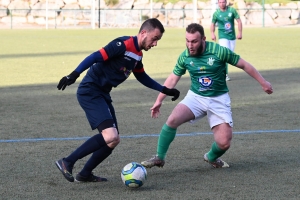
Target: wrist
x: 164, y: 89
x: 75, y: 74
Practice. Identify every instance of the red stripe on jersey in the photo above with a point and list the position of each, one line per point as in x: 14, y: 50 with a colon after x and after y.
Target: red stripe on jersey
x: 130, y: 47
x: 104, y: 54
x: 139, y: 70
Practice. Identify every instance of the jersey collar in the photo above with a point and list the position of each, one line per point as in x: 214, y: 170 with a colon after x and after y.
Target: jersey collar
x: 136, y: 43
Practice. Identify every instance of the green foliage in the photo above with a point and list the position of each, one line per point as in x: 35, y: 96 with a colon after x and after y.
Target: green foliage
x: 269, y: 1
x: 111, y: 2
x: 247, y: 1
x: 170, y: 1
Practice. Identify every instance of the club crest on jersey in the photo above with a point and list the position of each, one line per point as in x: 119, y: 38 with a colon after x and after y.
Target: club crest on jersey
x: 227, y: 26
x: 229, y: 14
x: 126, y: 71
x: 118, y: 44
x: 205, y: 81
x: 192, y: 64
x: 210, y: 61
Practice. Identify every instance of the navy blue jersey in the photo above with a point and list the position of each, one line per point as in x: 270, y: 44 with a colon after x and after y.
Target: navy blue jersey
x: 113, y: 64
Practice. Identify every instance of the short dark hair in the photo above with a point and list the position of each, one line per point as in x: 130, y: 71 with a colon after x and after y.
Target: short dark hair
x: 151, y: 24
x: 194, y: 27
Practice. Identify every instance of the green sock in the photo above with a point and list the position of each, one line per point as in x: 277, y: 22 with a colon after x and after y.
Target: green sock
x: 215, y: 152
x: 166, y: 136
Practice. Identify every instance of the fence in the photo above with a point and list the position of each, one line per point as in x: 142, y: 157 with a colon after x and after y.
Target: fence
x: 115, y: 18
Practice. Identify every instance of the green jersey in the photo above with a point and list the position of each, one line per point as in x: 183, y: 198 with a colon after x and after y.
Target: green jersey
x: 208, y: 70
x: 225, y: 21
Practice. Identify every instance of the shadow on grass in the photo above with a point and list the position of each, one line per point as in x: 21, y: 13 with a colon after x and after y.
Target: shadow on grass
x: 39, y: 111
x: 263, y: 166
x: 34, y: 55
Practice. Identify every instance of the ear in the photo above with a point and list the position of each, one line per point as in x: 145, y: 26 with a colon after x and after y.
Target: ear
x: 143, y: 32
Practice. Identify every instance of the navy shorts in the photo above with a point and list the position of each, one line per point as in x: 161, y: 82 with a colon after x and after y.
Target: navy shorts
x: 97, y: 107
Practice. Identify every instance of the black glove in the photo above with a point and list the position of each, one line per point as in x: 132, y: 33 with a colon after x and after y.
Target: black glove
x: 67, y: 80
x: 171, y: 92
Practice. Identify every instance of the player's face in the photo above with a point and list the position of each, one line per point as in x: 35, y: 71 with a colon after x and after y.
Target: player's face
x: 151, y: 39
x: 195, y: 43
x: 222, y: 4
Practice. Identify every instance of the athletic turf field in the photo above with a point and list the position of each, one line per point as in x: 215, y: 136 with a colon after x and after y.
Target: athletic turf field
x: 39, y: 124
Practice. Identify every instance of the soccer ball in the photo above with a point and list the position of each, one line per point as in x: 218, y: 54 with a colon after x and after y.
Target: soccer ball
x: 134, y: 175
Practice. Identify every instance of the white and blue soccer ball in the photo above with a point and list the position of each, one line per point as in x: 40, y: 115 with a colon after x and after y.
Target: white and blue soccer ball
x: 134, y: 175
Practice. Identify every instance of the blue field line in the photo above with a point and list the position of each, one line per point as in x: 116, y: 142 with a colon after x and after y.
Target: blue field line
x: 144, y: 135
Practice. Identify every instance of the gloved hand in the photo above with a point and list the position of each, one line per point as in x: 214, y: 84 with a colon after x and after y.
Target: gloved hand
x: 67, y: 80
x: 171, y: 92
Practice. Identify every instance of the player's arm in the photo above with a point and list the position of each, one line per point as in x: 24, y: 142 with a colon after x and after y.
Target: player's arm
x: 85, y: 64
x: 144, y: 79
x: 249, y: 69
x: 112, y: 49
x: 240, y: 29
x: 147, y: 81
x: 212, y: 31
x: 175, y: 76
x: 213, y: 27
x: 170, y: 82
x: 90, y: 60
x: 239, y: 24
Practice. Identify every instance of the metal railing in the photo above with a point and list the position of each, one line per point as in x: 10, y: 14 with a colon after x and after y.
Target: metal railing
x: 110, y: 18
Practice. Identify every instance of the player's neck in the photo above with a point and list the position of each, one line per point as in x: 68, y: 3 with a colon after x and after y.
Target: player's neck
x: 223, y: 10
x: 204, y: 47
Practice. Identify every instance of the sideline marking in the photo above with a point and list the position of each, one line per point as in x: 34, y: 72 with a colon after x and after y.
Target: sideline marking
x: 145, y: 135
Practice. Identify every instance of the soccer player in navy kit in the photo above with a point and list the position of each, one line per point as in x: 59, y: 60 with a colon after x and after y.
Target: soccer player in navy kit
x: 108, y: 67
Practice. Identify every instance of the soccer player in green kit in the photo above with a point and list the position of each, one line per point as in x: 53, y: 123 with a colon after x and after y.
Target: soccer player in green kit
x: 225, y: 17
x: 208, y: 95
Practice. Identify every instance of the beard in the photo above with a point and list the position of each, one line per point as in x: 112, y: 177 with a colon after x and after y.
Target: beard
x: 144, y: 47
x: 198, y: 51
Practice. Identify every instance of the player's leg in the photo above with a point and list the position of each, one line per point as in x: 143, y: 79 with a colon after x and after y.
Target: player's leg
x: 180, y: 114
x: 108, y: 132
x: 225, y: 43
x: 92, y: 104
x: 231, y: 44
x: 220, y: 120
x: 183, y: 112
x: 223, y: 136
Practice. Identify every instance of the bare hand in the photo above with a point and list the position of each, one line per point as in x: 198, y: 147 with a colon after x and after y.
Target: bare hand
x: 267, y: 87
x: 213, y: 37
x: 239, y: 36
x: 155, y: 110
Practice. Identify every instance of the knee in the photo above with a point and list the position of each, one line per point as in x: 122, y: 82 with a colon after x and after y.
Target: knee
x: 172, y: 122
x: 111, y: 137
x: 224, y: 144
x: 223, y: 136
x: 114, y: 141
